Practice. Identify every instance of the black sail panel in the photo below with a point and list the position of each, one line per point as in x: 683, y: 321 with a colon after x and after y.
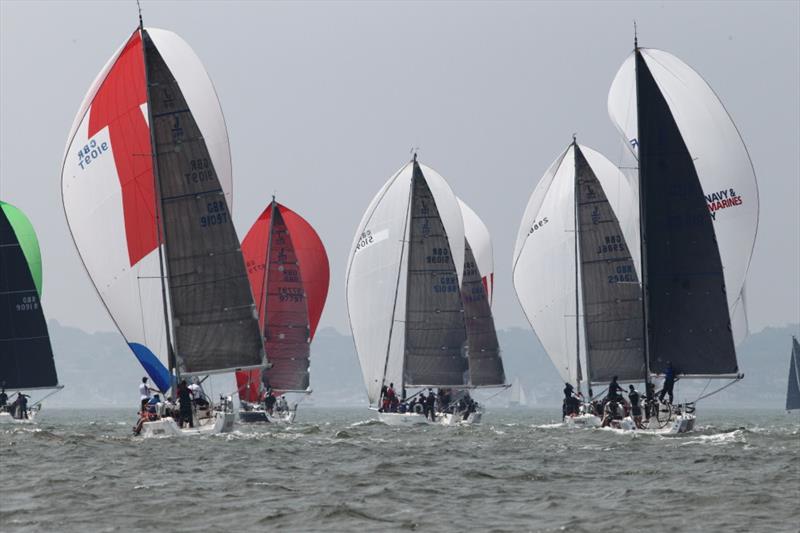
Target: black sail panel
x: 434, y: 334
x: 214, y: 320
x: 26, y: 357
x: 612, y: 297
x: 286, y: 330
x: 793, y: 392
x: 687, y: 307
x: 483, y: 350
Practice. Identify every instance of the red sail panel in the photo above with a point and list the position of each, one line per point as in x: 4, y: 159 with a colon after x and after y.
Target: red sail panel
x: 289, y: 311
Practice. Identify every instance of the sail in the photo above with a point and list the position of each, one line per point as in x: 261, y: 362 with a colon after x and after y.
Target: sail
x: 517, y: 396
x: 610, y: 289
x: 480, y: 239
x: 213, y: 315
x: 435, y: 331
x: 26, y: 357
x: 717, y: 151
x: 543, y: 270
x: 108, y: 187
x: 377, y: 273
x: 687, y: 305
x: 793, y: 392
x: 290, y: 309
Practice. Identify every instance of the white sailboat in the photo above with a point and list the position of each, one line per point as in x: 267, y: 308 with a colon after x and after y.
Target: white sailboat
x: 26, y: 356
x: 146, y: 184
x: 405, y: 285
x: 517, y: 397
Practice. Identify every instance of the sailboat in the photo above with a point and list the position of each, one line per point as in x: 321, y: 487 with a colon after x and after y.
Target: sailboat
x: 698, y: 217
x: 404, y: 294
x: 575, y: 276
x: 517, y: 397
x: 26, y: 356
x: 290, y: 295
x: 793, y: 390
x: 146, y: 185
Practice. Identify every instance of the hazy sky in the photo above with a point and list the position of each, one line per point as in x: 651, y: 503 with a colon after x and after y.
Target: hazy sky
x: 324, y: 100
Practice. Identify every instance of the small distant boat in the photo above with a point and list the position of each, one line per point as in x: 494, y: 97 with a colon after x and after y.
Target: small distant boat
x: 517, y: 397
x: 26, y: 356
x: 290, y: 295
x: 146, y: 184
x: 793, y: 390
x: 418, y: 308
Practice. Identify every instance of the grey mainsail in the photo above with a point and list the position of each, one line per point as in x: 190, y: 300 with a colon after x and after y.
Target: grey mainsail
x: 686, y: 303
x: 611, y: 294
x: 214, y: 323
x: 793, y: 392
x: 434, y: 331
x: 483, y: 349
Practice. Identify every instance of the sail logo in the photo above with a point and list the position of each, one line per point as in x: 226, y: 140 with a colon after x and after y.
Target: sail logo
x: 596, y: 215
x: 537, y: 225
x: 90, y: 152
x: 723, y: 199
x: 29, y: 303
x: 368, y: 238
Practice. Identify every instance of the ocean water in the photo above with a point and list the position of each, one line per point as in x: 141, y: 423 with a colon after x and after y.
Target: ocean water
x: 340, y: 470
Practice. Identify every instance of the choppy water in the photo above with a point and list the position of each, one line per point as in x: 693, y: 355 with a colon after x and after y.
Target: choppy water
x: 339, y: 471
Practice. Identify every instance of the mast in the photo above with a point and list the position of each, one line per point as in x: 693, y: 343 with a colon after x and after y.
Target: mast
x: 174, y: 372
x: 397, y: 284
x: 262, y: 298
x: 642, y: 207
x: 576, y: 193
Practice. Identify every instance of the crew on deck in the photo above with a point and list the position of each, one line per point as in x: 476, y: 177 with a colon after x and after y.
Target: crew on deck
x: 571, y: 404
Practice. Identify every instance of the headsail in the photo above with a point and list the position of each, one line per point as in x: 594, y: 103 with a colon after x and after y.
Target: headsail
x: 793, y: 392
x: 108, y: 186
x: 26, y: 357
x: 716, y: 149
x: 483, y: 348
x: 291, y: 302
x: 377, y: 273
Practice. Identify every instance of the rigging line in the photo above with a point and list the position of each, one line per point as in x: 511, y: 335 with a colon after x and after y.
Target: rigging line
x: 735, y: 380
x: 58, y: 389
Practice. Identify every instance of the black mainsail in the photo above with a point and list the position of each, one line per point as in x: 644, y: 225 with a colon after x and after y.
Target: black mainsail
x: 435, y: 334
x: 793, y: 391
x: 26, y: 357
x: 213, y: 317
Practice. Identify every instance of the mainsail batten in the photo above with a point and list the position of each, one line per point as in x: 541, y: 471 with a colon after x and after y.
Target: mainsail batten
x: 684, y: 279
x: 26, y: 356
x: 214, y: 322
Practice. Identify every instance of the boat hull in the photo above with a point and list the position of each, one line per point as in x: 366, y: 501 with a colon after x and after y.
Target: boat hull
x: 260, y: 416
x: 6, y: 418
x: 457, y: 419
x: 402, y: 419
x: 169, y: 427
x: 583, y: 421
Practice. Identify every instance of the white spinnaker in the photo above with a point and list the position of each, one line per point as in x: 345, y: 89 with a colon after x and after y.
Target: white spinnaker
x: 93, y: 202
x: 543, y: 270
x: 720, y: 156
x: 480, y: 240
x: 377, y: 273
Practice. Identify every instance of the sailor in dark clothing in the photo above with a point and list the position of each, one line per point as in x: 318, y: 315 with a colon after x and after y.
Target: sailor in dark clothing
x: 19, y: 408
x: 649, y: 400
x: 636, y: 409
x: 430, y: 403
x: 423, y: 401
x: 613, y: 389
x: 669, y: 383
x: 185, y: 399
x: 571, y: 404
x: 3, y: 399
x: 269, y: 403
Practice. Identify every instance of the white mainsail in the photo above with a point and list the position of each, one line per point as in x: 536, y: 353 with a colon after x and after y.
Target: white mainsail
x: 378, y: 269
x: 480, y: 240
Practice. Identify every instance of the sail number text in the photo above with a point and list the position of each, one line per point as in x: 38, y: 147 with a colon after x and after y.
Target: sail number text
x: 90, y: 152
x: 29, y: 303
x: 613, y: 243
x: 217, y: 214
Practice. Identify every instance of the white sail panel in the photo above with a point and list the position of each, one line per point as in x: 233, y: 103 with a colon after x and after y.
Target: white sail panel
x: 480, y: 240
x: 720, y: 157
x: 108, y: 188
x: 544, y: 264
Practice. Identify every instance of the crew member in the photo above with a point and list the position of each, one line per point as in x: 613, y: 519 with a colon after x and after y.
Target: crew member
x: 185, y: 400
x: 636, y: 409
x: 144, y: 393
x: 669, y: 383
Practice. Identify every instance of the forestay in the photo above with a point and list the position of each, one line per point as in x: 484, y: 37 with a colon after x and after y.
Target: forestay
x: 26, y: 357
x: 718, y: 154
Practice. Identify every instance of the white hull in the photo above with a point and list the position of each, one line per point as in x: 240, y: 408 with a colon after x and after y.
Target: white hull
x: 583, y: 421
x: 256, y: 416
x: 680, y: 424
x: 402, y: 419
x: 457, y: 419
x: 6, y: 418
x: 168, y: 427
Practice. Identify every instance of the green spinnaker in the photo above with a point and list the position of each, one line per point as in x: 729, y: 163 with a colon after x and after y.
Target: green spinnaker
x: 27, y: 240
